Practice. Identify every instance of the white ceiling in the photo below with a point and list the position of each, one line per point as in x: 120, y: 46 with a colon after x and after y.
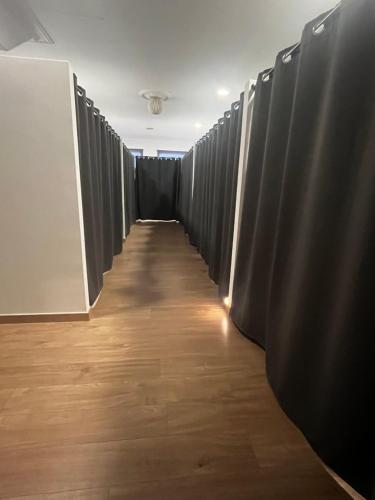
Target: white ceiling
x: 187, y: 47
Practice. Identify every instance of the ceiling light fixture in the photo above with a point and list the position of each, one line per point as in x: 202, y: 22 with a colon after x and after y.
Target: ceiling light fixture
x: 223, y: 92
x: 155, y: 99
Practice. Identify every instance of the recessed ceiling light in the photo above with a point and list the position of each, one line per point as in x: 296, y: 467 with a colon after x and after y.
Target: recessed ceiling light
x: 223, y: 92
x: 198, y: 125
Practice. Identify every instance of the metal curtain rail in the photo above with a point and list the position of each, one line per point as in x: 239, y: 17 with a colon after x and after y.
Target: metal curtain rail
x: 221, y: 121
x: 316, y: 30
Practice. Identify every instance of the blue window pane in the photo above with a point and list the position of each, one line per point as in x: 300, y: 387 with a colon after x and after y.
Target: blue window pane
x: 170, y: 154
x: 136, y: 152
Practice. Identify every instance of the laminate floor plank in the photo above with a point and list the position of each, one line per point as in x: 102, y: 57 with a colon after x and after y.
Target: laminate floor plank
x: 78, y: 373
x: 95, y: 465
x: 91, y: 494
x: 253, y: 485
x: 158, y: 396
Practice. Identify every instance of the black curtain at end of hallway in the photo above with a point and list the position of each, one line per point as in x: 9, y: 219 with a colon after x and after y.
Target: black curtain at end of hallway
x: 100, y: 171
x: 157, y: 184
x: 304, y: 282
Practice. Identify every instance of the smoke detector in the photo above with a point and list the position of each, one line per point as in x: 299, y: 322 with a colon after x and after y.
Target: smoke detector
x: 155, y: 99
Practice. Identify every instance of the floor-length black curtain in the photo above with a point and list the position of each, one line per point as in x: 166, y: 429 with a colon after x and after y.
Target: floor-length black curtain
x: 100, y: 171
x: 184, y: 205
x: 247, y: 307
x: 310, y: 303
x: 108, y: 201
x: 196, y: 221
x: 217, y: 175
x: 229, y: 196
x: 157, y: 183
x: 117, y: 193
x: 90, y: 185
x: 129, y: 190
x: 214, y: 194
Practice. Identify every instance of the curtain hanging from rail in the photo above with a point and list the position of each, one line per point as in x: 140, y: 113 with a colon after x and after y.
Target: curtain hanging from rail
x: 185, y: 194
x: 271, y: 117
x: 157, y: 182
x: 304, y: 282
x: 100, y: 170
x: 214, y: 194
x: 129, y: 189
x: 230, y: 174
x: 107, y: 198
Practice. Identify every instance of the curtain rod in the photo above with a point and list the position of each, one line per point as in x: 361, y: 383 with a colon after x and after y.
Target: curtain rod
x: 227, y: 114
x: 90, y: 103
x: 295, y: 47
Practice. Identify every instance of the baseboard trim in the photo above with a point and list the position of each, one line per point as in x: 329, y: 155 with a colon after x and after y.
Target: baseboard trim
x: 44, y: 318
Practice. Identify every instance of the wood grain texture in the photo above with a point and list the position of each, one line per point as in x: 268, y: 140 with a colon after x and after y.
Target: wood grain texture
x: 43, y: 318
x: 157, y: 397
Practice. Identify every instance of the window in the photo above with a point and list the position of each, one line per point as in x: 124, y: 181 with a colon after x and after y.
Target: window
x: 170, y: 154
x: 136, y: 152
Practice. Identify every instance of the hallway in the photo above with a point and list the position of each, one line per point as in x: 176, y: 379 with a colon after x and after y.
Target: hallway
x: 157, y: 397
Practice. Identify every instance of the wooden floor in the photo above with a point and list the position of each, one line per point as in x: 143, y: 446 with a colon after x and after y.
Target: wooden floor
x: 157, y: 397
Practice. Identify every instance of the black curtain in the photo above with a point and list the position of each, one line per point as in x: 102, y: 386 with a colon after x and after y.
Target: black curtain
x: 157, y: 181
x: 228, y: 199
x: 129, y: 189
x: 117, y: 190
x: 304, y: 282
x: 100, y: 170
x: 246, y: 306
x: 108, y: 201
x: 214, y: 194
x: 185, y: 190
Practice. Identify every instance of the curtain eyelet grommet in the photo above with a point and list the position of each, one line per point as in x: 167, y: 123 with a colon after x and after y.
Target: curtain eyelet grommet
x: 318, y: 29
x: 266, y: 77
x: 286, y: 59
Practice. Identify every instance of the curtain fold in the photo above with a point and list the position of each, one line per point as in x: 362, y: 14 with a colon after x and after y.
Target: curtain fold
x: 320, y: 351
x: 185, y: 190
x: 129, y: 190
x: 100, y: 171
x: 90, y: 192
x: 108, y: 202
x: 268, y: 142
x: 217, y: 201
x: 157, y: 181
x: 304, y: 274
x: 229, y: 196
x: 117, y: 193
x: 214, y: 195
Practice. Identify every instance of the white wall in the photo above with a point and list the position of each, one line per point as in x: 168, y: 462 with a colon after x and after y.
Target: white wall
x: 150, y: 145
x: 42, y: 263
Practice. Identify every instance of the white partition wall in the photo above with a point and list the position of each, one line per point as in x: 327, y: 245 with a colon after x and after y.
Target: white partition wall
x: 42, y: 256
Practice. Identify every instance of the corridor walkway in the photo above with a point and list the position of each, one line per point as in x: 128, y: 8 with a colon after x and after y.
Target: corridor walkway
x: 157, y: 397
